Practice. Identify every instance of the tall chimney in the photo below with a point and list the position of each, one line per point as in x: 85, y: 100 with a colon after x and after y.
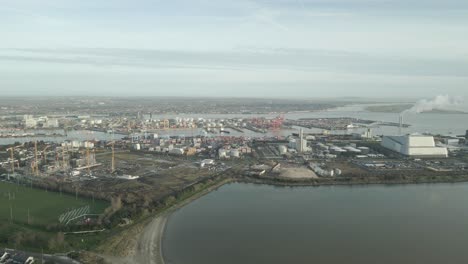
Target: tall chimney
x: 400, y: 124
x: 301, y: 138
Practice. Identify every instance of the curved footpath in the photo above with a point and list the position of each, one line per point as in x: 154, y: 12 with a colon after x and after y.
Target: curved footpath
x: 149, y: 246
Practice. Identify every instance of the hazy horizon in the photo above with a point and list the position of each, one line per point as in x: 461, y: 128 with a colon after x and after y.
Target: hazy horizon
x: 247, y: 48
x: 383, y: 99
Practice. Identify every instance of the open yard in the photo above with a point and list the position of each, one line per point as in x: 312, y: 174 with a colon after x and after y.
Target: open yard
x: 297, y: 173
x: 160, y: 175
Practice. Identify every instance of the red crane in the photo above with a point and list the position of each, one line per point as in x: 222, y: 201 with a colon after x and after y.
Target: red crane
x: 275, y: 123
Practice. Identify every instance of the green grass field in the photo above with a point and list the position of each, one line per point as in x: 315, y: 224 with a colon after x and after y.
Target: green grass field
x: 44, y: 207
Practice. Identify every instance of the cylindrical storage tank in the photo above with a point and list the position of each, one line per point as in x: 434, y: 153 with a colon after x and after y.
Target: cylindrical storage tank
x: 282, y: 149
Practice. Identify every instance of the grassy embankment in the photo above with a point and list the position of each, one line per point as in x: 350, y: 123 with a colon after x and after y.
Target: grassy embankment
x: 29, y: 216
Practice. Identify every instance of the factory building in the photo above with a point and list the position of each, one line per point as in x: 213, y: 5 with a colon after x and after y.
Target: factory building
x: 414, y: 146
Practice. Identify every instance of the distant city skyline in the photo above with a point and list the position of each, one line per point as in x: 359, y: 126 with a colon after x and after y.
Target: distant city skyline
x: 245, y: 48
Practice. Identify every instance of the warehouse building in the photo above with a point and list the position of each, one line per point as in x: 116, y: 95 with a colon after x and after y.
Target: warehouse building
x: 414, y: 146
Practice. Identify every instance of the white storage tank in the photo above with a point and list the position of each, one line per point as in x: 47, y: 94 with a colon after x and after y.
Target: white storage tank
x: 282, y: 149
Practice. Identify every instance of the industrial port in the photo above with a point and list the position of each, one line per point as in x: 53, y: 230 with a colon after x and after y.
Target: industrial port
x: 140, y: 162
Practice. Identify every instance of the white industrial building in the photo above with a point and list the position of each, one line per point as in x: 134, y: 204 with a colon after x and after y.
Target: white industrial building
x: 30, y: 123
x: 225, y: 154
x: 51, y: 123
x: 78, y: 144
x: 414, y: 146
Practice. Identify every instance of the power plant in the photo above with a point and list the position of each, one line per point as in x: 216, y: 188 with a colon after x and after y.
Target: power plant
x: 414, y: 146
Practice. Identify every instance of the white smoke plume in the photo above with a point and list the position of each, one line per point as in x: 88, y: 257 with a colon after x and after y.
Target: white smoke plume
x: 440, y: 102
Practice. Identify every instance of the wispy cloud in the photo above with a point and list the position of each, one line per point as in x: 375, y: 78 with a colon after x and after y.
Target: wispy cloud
x: 270, y: 17
x: 245, y: 59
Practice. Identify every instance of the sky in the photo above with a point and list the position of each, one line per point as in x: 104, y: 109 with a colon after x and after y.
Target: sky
x: 242, y: 48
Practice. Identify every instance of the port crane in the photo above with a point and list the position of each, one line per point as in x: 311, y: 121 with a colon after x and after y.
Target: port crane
x: 112, y: 144
x: 12, y: 157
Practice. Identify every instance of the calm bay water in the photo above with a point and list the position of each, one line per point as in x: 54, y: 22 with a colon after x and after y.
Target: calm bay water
x: 246, y: 223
